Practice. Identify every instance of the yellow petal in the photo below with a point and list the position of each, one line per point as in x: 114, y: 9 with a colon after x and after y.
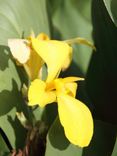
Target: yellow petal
x: 35, y: 62
x: 34, y: 65
x: 65, y: 87
x: 67, y: 61
x: 19, y: 49
x: 76, y: 119
x: 54, y: 53
x: 71, y: 88
x: 80, y: 41
x: 72, y: 79
x: 37, y: 94
x: 43, y: 36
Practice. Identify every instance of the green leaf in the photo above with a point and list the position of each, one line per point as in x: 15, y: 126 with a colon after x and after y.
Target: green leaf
x: 13, y: 129
x: 111, y: 6
x: 101, y: 80
x: 46, y: 114
x: 57, y: 144
x: 53, y: 5
x: 10, y: 83
x: 72, y: 19
x: 102, y: 74
x: 38, y: 113
x: 18, y: 18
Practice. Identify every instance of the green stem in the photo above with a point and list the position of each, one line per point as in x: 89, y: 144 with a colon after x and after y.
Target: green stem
x: 6, y: 140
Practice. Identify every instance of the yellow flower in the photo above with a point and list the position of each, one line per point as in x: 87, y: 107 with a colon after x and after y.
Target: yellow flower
x: 74, y: 116
x: 32, y: 53
x: 54, y: 53
x: 25, y: 55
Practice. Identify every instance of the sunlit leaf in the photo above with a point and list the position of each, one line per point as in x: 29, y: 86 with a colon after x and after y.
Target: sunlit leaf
x: 19, y: 18
x: 111, y: 6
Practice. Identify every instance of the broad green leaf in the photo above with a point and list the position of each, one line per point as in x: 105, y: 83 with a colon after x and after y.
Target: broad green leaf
x: 18, y: 18
x: 13, y: 129
x: 53, y: 5
x: 72, y: 19
x: 11, y: 100
x: 10, y: 83
x: 111, y: 6
x: 58, y: 145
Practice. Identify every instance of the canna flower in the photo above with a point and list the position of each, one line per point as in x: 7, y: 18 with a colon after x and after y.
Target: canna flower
x: 26, y: 56
x: 32, y: 53
x: 54, y: 53
x: 75, y: 117
x: 29, y: 53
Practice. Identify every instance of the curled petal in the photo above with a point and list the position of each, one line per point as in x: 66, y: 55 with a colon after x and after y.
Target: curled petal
x: 72, y: 79
x: 54, y: 54
x: 67, y: 61
x: 65, y: 87
x: 76, y: 119
x: 80, y: 41
x: 71, y: 88
x: 34, y: 65
x: 43, y: 36
x: 19, y: 49
x: 25, y: 55
x: 37, y: 94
